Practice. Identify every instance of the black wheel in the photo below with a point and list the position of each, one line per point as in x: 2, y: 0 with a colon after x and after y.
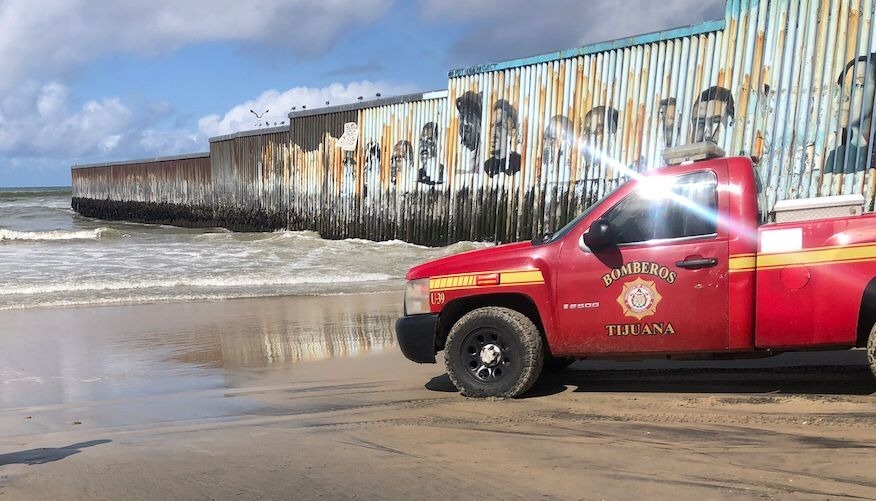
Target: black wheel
x: 871, y: 350
x: 493, y: 352
x: 557, y: 364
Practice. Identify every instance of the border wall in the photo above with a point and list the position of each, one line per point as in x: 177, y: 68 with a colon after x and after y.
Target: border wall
x: 171, y: 190
x: 515, y: 149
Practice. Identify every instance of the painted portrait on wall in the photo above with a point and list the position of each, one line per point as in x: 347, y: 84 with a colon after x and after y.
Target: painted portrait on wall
x: 598, y: 129
x: 349, y: 163
x: 598, y: 122
x: 371, y: 167
x: 557, y: 144
x: 401, y: 163
x: 713, y: 113
x: 857, y: 93
x: 470, y: 107
x: 504, y: 137
x: 431, y: 171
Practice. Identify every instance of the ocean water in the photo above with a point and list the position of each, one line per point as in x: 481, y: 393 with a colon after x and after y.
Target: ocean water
x: 51, y: 256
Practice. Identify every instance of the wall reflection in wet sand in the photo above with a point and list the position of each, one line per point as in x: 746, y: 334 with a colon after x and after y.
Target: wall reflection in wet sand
x: 304, y: 330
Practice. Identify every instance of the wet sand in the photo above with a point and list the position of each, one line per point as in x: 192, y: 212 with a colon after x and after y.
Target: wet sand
x: 308, y: 397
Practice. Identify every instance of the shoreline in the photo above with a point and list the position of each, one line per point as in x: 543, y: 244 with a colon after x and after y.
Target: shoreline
x: 201, y: 299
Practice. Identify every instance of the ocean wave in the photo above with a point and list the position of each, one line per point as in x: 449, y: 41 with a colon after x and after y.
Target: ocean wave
x: 25, y: 379
x: 57, y: 235
x: 34, y: 192
x: 313, y: 238
x: 212, y: 282
x: 384, y: 243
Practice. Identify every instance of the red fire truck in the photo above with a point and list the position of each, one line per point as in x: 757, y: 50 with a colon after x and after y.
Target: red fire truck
x: 677, y: 263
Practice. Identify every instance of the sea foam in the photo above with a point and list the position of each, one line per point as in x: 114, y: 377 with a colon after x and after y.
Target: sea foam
x: 56, y: 235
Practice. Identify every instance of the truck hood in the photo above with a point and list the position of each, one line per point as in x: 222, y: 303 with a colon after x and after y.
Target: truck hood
x: 521, y: 255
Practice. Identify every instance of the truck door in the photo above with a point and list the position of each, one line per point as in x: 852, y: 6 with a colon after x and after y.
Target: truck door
x: 660, y: 284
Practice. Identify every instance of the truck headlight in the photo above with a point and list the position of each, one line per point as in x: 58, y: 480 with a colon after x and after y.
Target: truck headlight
x: 417, y: 297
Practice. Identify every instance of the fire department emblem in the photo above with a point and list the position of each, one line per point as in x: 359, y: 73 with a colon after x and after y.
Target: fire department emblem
x: 639, y: 298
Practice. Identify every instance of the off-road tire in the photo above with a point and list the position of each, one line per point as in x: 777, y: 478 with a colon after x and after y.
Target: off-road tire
x: 522, y: 352
x: 871, y: 350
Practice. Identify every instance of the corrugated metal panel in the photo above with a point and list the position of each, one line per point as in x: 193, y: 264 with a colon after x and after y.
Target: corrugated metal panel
x: 251, y: 179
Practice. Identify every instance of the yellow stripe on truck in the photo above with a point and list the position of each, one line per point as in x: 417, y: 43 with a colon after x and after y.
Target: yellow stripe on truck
x: 469, y: 280
x: 814, y: 257
x: 521, y: 277
x: 809, y: 257
x: 745, y: 262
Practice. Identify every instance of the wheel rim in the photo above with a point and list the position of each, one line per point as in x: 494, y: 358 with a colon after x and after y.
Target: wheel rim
x: 488, y: 355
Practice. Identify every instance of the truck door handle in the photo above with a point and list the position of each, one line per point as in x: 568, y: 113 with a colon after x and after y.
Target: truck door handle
x: 697, y: 264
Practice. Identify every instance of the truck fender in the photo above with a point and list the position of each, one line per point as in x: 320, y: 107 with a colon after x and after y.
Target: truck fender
x: 518, y: 301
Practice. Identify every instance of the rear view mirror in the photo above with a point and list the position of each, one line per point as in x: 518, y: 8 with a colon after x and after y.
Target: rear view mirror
x: 598, y: 235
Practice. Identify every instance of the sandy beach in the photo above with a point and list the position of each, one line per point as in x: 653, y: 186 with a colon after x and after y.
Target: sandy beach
x: 308, y: 397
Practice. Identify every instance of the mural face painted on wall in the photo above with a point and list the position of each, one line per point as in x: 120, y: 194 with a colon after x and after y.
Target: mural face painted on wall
x: 431, y: 171
x: 597, y: 122
x: 371, y: 168
x: 503, y: 140
x: 598, y: 129
x: 401, y: 163
x: 349, y: 171
x: 469, y: 106
x: 857, y: 91
x: 713, y: 112
x: 557, y: 144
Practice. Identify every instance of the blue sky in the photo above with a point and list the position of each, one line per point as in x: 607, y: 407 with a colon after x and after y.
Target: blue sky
x: 94, y: 81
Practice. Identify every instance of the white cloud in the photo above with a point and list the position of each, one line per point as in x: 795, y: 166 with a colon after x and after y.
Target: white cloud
x: 44, y: 39
x: 44, y: 42
x: 46, y: 125
x: 279, y: 104
x: 41, y: 121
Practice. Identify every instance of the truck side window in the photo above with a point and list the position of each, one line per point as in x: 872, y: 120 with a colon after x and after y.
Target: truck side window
x: 687, y: 207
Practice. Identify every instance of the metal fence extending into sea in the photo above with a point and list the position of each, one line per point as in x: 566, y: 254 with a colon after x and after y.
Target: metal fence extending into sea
x: 515, y: 149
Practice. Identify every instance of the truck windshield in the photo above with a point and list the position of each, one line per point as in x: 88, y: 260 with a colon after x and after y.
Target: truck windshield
x: 574, y: 222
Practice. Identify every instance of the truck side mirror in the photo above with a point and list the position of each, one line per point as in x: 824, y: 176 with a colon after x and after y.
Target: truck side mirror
x: 598, y: 235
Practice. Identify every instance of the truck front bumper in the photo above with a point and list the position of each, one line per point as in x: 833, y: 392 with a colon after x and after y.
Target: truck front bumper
x: 416, y: 337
